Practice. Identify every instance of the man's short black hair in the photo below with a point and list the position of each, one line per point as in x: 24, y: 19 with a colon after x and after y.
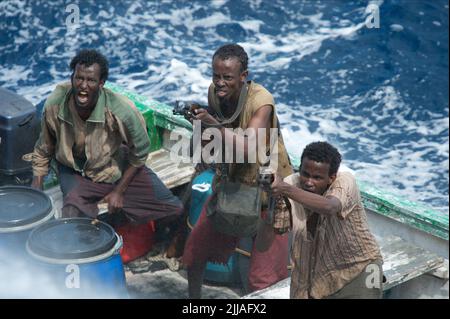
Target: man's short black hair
x: 232, y: 51
x: 323, y: 152
x: 88, y: 57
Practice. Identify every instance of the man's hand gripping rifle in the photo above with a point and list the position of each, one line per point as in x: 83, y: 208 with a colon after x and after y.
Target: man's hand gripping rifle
x: 186, y: 109
x: 265, y: 180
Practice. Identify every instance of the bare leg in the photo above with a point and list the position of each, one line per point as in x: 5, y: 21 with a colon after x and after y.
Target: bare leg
x: 195, y: 280
x: 176, y: 246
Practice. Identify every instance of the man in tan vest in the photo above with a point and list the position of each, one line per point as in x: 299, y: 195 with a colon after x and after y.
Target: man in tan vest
x: 205, y: 243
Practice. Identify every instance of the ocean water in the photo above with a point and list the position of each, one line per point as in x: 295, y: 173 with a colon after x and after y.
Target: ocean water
x: 379, y: 94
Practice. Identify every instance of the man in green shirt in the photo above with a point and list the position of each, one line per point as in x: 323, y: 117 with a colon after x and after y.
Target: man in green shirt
x: 100, y: 144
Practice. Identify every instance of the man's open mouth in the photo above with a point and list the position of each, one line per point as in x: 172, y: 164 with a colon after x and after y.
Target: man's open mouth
x: 82, y: 97
x: 221, y: 93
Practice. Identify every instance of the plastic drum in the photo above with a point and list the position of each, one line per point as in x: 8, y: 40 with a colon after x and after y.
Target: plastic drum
x: 79, y: 259
x: 21, y: 210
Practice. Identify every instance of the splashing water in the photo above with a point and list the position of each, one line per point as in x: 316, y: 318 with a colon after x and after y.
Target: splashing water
x: 379, y: 94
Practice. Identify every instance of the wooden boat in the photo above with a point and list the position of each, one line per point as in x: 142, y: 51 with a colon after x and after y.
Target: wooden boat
x: 412, y: 236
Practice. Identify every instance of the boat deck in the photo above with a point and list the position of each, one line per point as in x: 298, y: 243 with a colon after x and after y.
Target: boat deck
x: 171, y: 173
x: 402, y: 262
x: 154, y: 276
x: 158, y: 277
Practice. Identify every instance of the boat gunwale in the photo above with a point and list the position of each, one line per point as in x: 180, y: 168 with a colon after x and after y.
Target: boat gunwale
x: 159, y: 117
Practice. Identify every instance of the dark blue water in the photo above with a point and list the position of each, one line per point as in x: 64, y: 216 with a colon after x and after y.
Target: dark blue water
x: 379, y: 94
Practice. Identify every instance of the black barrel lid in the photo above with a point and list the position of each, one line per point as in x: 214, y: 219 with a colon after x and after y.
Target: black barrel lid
x: 20, y: 205
x: 71, y: 238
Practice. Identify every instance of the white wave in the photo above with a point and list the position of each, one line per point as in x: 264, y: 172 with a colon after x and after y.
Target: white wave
x: 294, y: 46
x: 12, y: 7
x: 170, y: 53
x: 185, y: 17
x: 252, y: 25
x: 403, y: 168
x: 23, y: 279
x: 218, y: 3
x: 396, y: 27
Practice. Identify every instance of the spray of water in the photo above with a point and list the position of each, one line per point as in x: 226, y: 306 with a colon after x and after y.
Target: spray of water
x: 21, y: 277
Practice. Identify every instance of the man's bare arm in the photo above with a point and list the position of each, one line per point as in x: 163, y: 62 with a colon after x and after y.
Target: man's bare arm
x: 38, y: 182
x: 329, y: 205
x: 260, y: 119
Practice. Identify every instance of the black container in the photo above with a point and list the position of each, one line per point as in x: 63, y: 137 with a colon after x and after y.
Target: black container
x: 19, y: 131
x: 20, y: 179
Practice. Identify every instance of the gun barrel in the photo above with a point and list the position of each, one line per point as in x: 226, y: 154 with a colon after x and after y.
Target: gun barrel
x: 270, y: 208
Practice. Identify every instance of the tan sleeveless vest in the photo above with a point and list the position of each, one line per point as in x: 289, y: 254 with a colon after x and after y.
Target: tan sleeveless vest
x: 257, y: 96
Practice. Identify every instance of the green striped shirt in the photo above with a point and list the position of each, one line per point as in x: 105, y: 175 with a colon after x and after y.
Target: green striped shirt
x: 114, y: 121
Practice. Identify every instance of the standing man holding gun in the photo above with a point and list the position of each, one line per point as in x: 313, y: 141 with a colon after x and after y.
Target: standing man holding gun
x: 229, y: 92
x: 335, y: 255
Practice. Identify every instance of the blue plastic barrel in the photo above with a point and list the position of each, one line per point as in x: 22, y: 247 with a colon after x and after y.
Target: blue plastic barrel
x: 21, y: 210
x: 218, y: 273
x: 78, y: 258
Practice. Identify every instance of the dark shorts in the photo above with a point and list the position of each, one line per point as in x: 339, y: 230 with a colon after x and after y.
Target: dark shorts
x: 146, y: 197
